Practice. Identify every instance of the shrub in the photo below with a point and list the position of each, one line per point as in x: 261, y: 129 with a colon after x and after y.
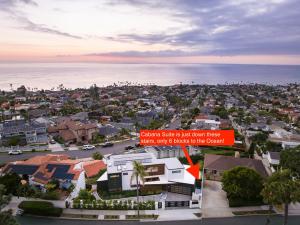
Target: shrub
x: 97, y: 156
x: 40, y: 208
x: 51, y: 195
x: 238, y: 202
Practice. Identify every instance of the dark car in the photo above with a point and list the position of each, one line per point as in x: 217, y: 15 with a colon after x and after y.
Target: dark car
x: 138, y: 145
x: 129, y: 147
x: 107, y: 144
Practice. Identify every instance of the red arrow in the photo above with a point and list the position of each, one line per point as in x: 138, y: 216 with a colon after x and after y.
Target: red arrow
x: 193, y: 169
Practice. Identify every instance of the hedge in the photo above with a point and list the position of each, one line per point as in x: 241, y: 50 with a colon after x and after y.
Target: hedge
x: 234, y: 202
x: 40, y: 208
x: 113, y: 205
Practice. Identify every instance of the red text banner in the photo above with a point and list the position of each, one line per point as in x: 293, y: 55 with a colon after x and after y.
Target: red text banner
x: 187, y: 137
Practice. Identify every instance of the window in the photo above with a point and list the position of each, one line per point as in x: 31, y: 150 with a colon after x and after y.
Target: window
x: 152, y: 169
x: 152, y: 179
x: 124, y: 174
x: 176, y: 171
x: 214, y: 172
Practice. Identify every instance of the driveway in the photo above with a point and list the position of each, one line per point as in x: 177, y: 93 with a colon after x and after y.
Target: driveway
x: 214, y: 200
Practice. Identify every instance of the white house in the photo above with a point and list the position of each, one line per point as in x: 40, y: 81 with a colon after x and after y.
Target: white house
x: 166, y: 174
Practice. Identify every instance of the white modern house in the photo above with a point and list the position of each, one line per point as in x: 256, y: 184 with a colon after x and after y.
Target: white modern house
x: 166, y: 174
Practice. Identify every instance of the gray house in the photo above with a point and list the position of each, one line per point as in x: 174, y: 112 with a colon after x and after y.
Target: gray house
x: 33, y: 132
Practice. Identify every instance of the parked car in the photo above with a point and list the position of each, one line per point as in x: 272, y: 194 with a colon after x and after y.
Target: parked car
x: 20, y: 212
x: 15, y: 152
x: 52, y: 142
x: 88, y: 147
x: 138, y: 145
x: 129, y: 147
x: 167, y: 126
x: 107, y: 144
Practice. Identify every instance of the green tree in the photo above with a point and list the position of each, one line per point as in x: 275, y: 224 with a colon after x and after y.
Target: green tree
x: 282, y: 188
x: 272, y: 146
x: 290, y: 159
x: 5, y: 216
x: 138, y: 175
x: 11, y: 182
x: 85, y: 195
x: 14, y: 141
x: 242, y: 183
x: 221, y: 112
x: 252, y: 149
x: 97, y: 156
x: 94, y: 92
x: 260, y: 138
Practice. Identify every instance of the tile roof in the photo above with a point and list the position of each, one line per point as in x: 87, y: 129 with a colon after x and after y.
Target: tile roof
x: 222, y: 163
x: 48, y: 167
x: 92, y: 168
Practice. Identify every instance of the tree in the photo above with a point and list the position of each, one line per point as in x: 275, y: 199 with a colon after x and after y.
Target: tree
x: 5, y: 216
x: 282, y: 188
x: 94, y: 92
x: 221, y: 112
x: 260, y: 138
x: 97, y: 156
x: 11, y: 182
x: 242, y: 183
x: 252, y: 149
x: 85, y: 195
x: 290, y: 159
x: 138, y: 175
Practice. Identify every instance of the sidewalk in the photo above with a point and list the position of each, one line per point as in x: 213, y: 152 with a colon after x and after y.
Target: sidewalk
x: 164, y: 215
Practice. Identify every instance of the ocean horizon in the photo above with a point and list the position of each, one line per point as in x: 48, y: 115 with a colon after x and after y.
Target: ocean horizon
x: 83, y: 75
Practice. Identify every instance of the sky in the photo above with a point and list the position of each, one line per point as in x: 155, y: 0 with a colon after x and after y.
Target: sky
x: 150, y: 31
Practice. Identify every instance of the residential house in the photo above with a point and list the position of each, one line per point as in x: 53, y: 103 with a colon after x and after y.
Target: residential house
x: 166, y: 174
x: 31, y: 132
x: 40, y: 170
x: 215, y: 165
x: 74, y: 131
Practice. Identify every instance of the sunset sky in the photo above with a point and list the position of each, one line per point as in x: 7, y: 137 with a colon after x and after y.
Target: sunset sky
x: 150, y: 31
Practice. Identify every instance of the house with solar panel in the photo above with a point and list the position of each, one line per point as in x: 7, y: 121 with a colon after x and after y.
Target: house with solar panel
x: 40, y: 170
x: 163, y: 175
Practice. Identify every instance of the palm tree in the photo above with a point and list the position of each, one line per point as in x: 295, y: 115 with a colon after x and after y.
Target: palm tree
x: 282, y: 188
x: 138, y: 175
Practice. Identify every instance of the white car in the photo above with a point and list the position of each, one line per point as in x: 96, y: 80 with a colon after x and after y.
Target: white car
x: 88, y: 147
x: 15, y: 152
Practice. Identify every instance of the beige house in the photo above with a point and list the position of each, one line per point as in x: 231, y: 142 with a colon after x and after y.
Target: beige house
x: 74, y: 131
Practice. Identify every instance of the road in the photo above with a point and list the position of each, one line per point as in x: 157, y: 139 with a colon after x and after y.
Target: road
x: 257, y: 220
x: 116, y: 148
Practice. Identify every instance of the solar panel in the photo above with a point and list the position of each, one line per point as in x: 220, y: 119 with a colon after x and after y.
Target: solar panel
x: 61, y: 171
x: 23, y: 169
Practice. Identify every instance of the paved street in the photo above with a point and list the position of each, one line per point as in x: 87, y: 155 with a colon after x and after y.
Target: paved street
x: 253, y: 220
x: 116, y: 148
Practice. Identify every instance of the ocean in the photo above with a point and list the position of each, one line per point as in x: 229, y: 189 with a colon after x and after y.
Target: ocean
x: 82, y: 75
